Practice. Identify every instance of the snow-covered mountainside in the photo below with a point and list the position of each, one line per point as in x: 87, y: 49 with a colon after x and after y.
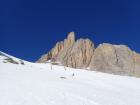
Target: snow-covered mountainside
x: 25, y: 83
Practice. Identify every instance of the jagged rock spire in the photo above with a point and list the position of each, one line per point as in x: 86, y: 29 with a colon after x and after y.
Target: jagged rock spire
x: 71, y: 53
x: 71, y: 37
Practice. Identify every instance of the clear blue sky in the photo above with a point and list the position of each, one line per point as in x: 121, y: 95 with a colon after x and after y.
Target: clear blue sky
x: 29, y: 28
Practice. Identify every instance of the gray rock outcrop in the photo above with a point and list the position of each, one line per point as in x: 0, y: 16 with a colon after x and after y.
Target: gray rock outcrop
x: 115, y: 59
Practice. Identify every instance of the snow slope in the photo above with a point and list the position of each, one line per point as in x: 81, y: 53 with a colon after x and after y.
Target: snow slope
x: 37, y: 84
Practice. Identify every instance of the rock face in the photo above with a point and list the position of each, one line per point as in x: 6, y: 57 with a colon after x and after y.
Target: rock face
x: 71, y: 53
x: 79, y: 55
x: 115, y: 59
x: 52, y: 54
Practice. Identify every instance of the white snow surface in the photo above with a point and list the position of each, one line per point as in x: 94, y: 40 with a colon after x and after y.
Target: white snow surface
x: 37, y: 84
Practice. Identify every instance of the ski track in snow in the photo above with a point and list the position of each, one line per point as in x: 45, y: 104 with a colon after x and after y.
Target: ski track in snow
x: 37, y: 84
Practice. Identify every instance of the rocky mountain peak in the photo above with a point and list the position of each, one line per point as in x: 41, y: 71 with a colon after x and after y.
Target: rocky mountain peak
x: 71, y: 37
x: 81, y: 53
x: 70, y: 52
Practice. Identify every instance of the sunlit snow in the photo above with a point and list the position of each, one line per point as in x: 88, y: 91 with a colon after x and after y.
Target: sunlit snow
x: 41, y: 84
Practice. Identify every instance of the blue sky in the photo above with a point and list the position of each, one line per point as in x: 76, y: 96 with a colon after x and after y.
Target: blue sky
x: 29, y: 28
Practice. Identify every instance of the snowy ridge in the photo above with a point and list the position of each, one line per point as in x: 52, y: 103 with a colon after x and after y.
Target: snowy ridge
x: 4, y: 57
x: 8, y: 56
x: 46, y: 84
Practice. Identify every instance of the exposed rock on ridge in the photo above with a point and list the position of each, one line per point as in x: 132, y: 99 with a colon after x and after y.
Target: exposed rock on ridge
x: 79, y: 55
x: 116, y: 59
x: 71, y: 53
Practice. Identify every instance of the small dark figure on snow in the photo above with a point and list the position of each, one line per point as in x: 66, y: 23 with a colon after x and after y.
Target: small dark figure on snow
x: 73, y: 74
